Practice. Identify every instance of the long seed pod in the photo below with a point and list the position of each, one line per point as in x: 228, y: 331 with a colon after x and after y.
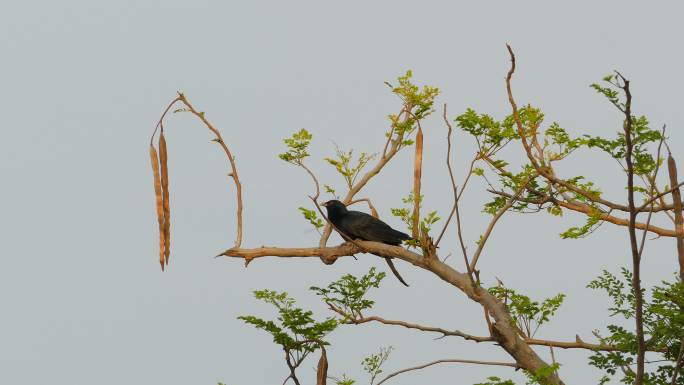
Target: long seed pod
x: 677, y: 208
x: 417, y: 173
x: 163, y: 157
x: 322, y: 373
x: 158, y: 196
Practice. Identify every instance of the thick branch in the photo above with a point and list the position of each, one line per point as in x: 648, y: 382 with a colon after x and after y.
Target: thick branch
x: 502, y: 330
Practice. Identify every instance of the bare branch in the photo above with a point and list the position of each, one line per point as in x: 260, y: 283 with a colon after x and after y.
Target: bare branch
x: 636, y: 259
x: 490, y: 228
x: 408, y: 325
x: 662, y: 194
x: 586, y: 209
x: 650, y: 212
x: 231, y: 159
x: 448, y: 361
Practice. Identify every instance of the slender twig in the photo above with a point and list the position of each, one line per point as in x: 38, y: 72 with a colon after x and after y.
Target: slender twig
x: 586, y: 209
x: 160, y: 124
x: 395, y: 146
x: 636, y: 259
x: 454, y: 188
x: 650, y: 212
x: 233, y: 174
x: 292, y: 367
x: 447, y: 361
x: 662, y: 194
x: 490, y: 227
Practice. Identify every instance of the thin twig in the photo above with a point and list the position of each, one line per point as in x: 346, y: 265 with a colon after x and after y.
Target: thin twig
x: 231, y: 159
x: 395, y: 146
x: 161, y: 118
x: 636, y: 259
x: 490, y: 227
x: 448, y: 361
x: 662, y: 194
x: 650, y: 212
x: 451, y: 176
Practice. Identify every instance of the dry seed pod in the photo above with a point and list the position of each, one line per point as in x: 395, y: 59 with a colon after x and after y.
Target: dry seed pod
x: 163, y: 158
x: 417, y: 174
x: 158, y: 195
x: 322, y: 374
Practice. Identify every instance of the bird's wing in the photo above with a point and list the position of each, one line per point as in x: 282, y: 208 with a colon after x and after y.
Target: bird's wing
x: 361, y: 225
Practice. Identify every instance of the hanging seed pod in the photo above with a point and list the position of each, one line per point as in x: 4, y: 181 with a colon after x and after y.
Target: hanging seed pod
x: 322, y: 373
x: 163, y: 158
x: 417, y: 174
x: 160, y: 207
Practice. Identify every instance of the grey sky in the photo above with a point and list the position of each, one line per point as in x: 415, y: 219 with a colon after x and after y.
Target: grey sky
x: 83, y: 300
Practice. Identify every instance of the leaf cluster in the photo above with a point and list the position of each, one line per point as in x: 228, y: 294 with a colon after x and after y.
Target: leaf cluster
x: 295, y: 328
x: 348, y: 294
x: 343, y: 164
x: 297, y: 147
x: 418, y: 104
x: 373, y: 363
x: 663, y: 320
x: 406, y: 215
x: 312, y: 217
x: 527, y: 314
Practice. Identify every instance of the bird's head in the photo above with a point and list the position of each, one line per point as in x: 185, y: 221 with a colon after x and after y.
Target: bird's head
x: 334, y: 206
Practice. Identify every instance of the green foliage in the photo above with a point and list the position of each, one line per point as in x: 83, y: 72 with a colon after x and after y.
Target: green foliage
x: 343, y: 164
x: 312, y: 217
x: 297, y: 147
x: 556, y: 136
x: 348, y: 293
x: 528, y: 315
x: 592, y: 222
x: 417, y: 106
x: 295, y: 328
x: 641, y: 134
x: 344, y: 380
x: 663, y: 319
x: 540, y: 375
x: 406, y: 216
x: 328, y: 189
x: 490, y: 133
x: 493, y: 380
x: 373, y: 363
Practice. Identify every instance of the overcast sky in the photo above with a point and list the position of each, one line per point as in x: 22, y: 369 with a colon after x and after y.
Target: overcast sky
x: 83, y: 82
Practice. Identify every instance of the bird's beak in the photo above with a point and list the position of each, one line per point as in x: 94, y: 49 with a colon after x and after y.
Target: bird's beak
x: 325, y: 204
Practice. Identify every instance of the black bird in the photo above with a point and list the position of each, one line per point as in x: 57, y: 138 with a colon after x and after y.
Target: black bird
x: 359, y: 225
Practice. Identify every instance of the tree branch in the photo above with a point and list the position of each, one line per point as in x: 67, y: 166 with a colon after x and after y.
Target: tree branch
x: 502, y: 330
x: 233, y: 174
x: 446, y: 361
